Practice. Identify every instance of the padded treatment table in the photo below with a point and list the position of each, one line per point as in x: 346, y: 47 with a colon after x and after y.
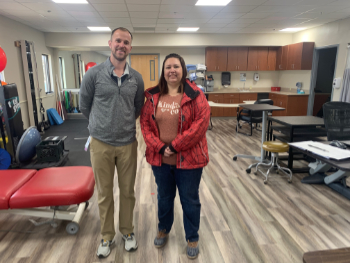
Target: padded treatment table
x: 27, y: 192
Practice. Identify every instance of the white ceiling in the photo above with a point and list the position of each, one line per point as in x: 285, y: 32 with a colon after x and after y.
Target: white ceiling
x: 165, y: 16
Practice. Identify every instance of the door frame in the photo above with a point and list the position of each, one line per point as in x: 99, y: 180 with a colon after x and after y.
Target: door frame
x: 314, y: 69
x: 158, y: 54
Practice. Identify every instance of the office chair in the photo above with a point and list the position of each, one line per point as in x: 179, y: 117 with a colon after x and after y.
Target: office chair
x: 336, y: 116
x: 337, y: 121
x: 251, y: 117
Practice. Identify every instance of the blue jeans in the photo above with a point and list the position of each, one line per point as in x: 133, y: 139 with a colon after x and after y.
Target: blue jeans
x: 187, y: 181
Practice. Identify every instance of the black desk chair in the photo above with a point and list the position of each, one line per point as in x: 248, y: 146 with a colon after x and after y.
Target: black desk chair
x: 337, y: 120
x: 251, y: 117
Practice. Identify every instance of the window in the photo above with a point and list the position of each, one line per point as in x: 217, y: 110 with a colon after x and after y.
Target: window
x: 62, y: 72
x: 46, y: 68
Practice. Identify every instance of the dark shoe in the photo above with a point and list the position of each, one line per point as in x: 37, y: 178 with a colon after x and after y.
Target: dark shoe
x: 161, y: 238
x: 192, y: 250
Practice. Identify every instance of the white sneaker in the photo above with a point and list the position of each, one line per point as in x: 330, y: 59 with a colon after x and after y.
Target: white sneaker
x: 130, y: 242
x: 104, y: 250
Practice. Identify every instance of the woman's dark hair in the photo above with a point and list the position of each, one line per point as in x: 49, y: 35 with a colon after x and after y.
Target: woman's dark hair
x: 163, y: 86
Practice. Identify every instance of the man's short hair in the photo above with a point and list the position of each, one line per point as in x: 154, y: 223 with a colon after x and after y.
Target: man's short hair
x: 122, y: 29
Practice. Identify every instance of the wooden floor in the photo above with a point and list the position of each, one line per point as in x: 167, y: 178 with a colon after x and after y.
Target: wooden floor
x: 242, y: 220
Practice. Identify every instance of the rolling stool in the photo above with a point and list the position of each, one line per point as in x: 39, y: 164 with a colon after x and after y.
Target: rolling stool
x: 275, y: 148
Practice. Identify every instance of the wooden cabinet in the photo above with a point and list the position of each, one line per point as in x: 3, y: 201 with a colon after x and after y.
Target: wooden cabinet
x: 300, y: 56
x: 282, y: 57
x: 247, y: 96
x: 218, y: 98
x: 237, y: 58
x: 257, y: 58
x: 295, y: 105
x: 216, y: 58
x: 271, y: 58
x: 232, y: 98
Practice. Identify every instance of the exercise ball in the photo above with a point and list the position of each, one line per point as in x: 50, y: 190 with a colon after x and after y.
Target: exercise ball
x: 89, y: 65
x: 3, y: 83
x: 26, y: 148
x: 3, y: 59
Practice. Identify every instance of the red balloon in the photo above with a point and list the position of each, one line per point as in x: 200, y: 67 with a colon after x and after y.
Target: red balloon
x: 89, y: 65
x: 3, y: 59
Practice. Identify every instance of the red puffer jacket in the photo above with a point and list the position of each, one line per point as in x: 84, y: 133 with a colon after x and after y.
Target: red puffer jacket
x: 190, y: 143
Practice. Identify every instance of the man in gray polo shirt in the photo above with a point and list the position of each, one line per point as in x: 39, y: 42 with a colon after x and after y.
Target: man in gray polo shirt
x: 111, y: 97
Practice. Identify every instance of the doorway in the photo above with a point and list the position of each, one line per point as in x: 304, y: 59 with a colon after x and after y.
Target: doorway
x: 325, y: 60
x: 147, y: 66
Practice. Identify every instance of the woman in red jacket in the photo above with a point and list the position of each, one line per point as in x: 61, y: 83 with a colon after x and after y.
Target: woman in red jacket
x: 174, y: 121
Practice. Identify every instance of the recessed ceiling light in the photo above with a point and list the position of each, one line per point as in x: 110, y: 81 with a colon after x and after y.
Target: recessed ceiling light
x: 213, y: 2
x: 99, y: 28
x: 188, y: 29
x: 293, y: 29
x: 70, y: 1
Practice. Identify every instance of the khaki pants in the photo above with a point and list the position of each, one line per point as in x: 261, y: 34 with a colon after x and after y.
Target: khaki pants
x: 104, y: 159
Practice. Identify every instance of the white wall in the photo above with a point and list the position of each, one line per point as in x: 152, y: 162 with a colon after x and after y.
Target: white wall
x: 96, y: 41
x: 337, y: 32
x: 86, y: 56
x: 11, y: 31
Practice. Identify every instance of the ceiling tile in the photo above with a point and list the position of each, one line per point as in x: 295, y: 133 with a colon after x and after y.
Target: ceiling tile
x: 107, y: 1
x: 209, y: 25
x: 79, y: 14
x: 78, y: 29
x: 209, y: 30
x: 229, y: 15
x: 199, y: 15
x: 316, y: 2
x: 12, y: 6
x: 179, y: 2
x: 194, y: 21
x: 143, y: 21
x: 114, y: 14
x: 207, y: 9
x: 144, y: 2
x: 246, y: 20
x: 282, y: 2
x: 247, y: 2
x: 221, y: 21
x: 143, y: 14
x: 238, y: 8
x: 117, y: 20
x: 256, y: 15
x: 169, y: 21
x: 143, y: 8
x: 115, y: 25
x: 144, y: 24
x: 171, y: 15
x: 77, y: 7
x: 229, y: 30
x: 341, y: 2
x: 176, y: 8
x: 110, y: 7
x: 166, y: 30
x: 232, y: 25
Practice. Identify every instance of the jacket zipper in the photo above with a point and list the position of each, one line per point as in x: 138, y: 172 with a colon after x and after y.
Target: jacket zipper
x: 181, y: 134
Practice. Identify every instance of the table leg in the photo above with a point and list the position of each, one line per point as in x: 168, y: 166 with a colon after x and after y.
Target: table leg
x: 290, y: 155
x: 262, y: 157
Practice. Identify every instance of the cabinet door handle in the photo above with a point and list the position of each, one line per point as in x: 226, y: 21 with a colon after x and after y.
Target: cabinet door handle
x: 238, y: 67
x: 218, y: 67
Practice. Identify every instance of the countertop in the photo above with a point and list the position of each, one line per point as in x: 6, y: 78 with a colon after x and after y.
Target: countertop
x: 284, y: 91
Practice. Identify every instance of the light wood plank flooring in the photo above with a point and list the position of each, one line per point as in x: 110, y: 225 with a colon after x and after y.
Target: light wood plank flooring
x: 242, y: 220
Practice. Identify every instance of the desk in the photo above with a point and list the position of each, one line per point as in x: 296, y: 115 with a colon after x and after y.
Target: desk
x: 337, y: 180
x: 265, y: 108
x: 297, y: 122
x: 340, y: 255
x: 221, y: 105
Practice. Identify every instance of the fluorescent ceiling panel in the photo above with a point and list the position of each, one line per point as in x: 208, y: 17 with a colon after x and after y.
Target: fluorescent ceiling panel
x: 213, y: 2
x: 99, y: 29
x: 188, y: 29
x: 70, y: 1
x: 293, y: 29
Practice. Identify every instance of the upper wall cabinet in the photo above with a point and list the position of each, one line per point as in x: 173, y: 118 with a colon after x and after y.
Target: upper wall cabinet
x: 282, y: 57
x: 291, y: 57
x: 216, y: 58
x: 237, y: 58
x: 300, y: 56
